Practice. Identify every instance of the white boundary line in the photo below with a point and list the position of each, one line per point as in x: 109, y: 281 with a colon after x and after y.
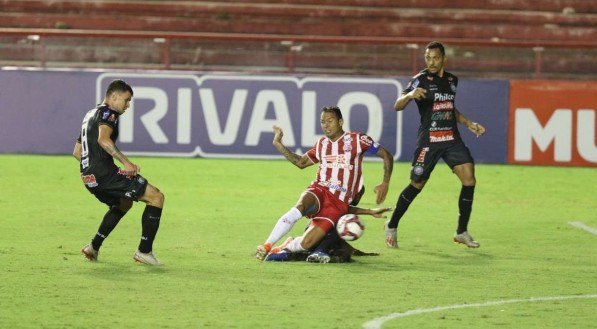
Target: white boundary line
x: 584, y: 226
x: 378, y: 322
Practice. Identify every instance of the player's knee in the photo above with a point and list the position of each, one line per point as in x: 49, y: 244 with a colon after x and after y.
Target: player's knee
x: 125, y: 205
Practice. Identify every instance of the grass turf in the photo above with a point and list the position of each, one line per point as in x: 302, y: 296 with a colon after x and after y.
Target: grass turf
x: 217, y: 211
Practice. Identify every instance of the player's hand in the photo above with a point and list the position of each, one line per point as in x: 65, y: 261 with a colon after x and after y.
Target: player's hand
x: 278, y: 134
x: 476, y: 128
x: 131, y: 169
x: 381, y: 190
x: 378, y: 212
x: 417, y: 93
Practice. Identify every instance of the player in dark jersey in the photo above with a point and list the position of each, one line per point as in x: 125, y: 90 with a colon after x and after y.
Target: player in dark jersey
x: 434, y: 90
x: 118, y: 188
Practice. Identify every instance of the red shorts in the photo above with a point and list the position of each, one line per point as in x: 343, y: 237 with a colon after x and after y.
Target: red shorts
x: 330, y: 208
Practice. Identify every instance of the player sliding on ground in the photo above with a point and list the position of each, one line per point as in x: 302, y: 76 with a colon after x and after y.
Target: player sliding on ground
x: 340, y: 156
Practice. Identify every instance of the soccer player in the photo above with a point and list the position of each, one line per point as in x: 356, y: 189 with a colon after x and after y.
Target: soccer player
x: 95, y: 150
x: 434, y: 90
x: 340, y: 156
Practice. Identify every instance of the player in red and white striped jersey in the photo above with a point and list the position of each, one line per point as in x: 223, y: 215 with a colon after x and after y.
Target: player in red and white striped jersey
x: 340, y: 156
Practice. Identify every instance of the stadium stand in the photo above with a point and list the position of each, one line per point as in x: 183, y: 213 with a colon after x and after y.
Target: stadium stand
x: 516, y: 27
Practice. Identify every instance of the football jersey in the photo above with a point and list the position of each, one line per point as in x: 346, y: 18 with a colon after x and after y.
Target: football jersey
x: 438, y: 120
x: 340, y: 163
x: 94, y: 159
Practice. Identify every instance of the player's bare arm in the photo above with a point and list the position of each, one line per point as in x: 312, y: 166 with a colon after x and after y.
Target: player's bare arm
x: 402, y: 101
x: 108, y: 145
x: 298, y: 160
x: 474, y: 127
x: 77, y: 151
x: 381, y: 190
x: 375, y: 212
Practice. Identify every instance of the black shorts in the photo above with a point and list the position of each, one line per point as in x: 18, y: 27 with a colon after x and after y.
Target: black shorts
x: 425, y: 158
x: 111, y: 189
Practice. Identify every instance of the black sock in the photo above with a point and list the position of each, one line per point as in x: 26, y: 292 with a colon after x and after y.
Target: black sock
x: 465, y: 205
x: 111, y: 219
x: 150, y: 222
x: 406, y: 197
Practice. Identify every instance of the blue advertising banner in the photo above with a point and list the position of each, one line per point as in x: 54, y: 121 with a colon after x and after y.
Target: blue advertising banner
x: 230, y: 116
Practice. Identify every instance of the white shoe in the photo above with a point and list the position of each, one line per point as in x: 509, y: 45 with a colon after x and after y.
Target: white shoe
x: 466, y: 239
x: 391, y: 236
x: 90, y: 253
x: 148, y: 258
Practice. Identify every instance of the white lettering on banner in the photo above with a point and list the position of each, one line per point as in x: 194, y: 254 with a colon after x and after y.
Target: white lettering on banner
x: 310, y: 119
x: 251, y: 112
x: 216, y: 134
x: 260, y: 124
x: 558, y: 130
x: 372, y: 106
x: 585, y: 134
x: 529, y: 129
x: 152, y: 117
x: 183, y: 133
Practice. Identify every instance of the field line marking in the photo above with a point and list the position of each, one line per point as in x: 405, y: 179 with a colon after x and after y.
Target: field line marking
x: 378, y: 322
x: 584, y: 226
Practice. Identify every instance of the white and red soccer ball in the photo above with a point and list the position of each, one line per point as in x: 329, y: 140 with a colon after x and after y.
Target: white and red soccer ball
x: 350, y: 227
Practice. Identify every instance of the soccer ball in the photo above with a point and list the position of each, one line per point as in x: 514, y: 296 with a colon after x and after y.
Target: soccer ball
x: 350, y: 227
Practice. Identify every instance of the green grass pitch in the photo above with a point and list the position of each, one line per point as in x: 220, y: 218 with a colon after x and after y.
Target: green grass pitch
x: 217, y: 211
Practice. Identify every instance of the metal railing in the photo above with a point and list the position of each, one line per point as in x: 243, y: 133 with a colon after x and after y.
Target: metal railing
x: 288, y: 53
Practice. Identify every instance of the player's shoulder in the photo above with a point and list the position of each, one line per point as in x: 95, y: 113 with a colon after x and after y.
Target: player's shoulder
x: 107, y: 114
x: 450, y: 76
x: 421, y: 74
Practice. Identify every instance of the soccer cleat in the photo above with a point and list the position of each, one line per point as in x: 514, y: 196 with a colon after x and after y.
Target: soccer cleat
x: 466, y: 239
x: 391, y: 236
x: 281, y: 256
x: 262, y: 251
x: 318, y: 257
x: 146, y: 258
x: 90, y: 253
x: 281, y: 247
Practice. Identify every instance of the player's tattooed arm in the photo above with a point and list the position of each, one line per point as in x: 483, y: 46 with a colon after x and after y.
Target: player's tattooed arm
x: 388, y: 165
x: 298, y: 160
x: 108, y: 145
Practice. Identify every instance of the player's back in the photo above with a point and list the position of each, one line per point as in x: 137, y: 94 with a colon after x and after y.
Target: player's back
x: 94, y: 159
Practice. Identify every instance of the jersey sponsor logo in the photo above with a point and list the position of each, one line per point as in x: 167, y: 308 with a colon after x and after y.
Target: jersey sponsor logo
x: 336, y: 161
x: 441, y: 136
x: 89, y: 180
x: 443, y: 97
x: 366, y: 140
x: 442, y: 115
x: 421, y: 157
x: 337, y: 185
x: 443, y: 105
x: 220, y: 116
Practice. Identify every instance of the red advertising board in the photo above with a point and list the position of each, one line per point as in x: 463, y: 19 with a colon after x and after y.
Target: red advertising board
x: 553, y: 123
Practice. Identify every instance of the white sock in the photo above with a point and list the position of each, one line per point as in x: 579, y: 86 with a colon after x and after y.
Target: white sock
x: 284, y: 225
x: 295, y: 245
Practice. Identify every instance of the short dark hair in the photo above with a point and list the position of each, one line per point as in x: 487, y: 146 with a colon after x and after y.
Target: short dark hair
x: 118, y: 86
x: 436, y: 45
x: 333, y: 109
